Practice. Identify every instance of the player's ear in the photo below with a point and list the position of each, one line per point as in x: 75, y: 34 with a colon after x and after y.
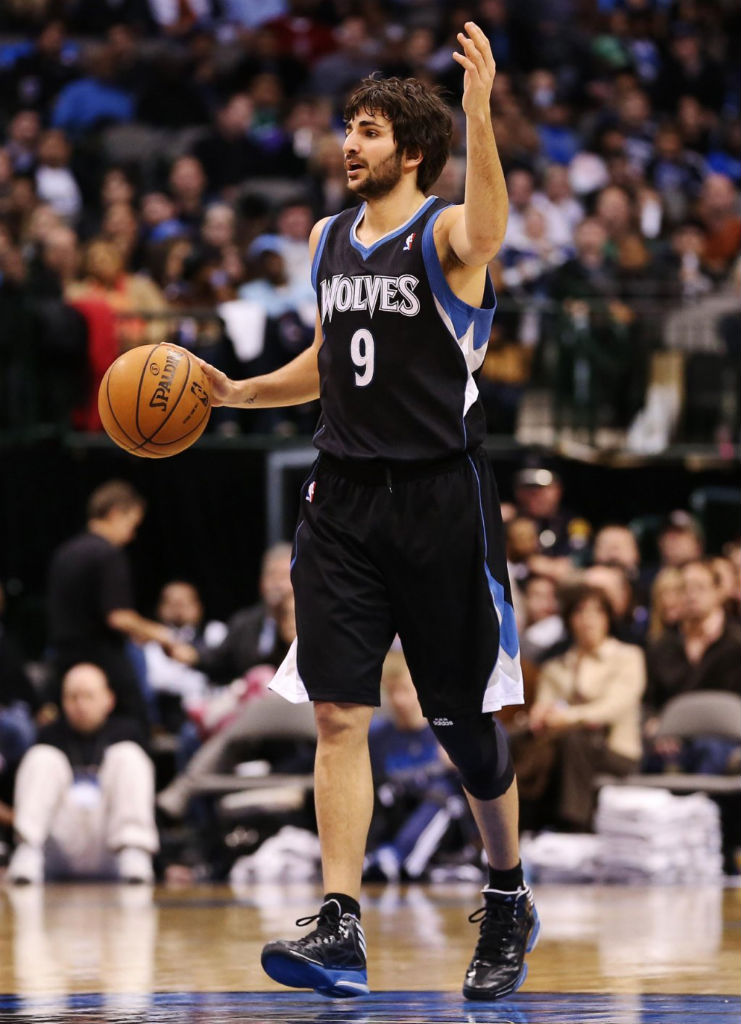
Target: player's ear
x: 412, y: 158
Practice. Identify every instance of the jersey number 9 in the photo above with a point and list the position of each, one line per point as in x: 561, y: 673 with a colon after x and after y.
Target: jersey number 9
x: 362, y: 353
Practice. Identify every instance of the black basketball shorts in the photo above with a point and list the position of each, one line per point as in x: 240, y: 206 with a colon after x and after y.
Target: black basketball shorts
x: 415, y: 550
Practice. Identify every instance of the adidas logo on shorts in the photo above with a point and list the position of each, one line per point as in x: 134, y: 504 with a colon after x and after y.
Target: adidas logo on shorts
x: 442, y: 721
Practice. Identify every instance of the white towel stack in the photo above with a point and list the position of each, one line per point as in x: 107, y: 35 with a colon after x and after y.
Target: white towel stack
x: 650, y: 835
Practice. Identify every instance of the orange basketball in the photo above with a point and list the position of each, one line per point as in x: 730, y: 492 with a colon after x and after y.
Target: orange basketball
x: 154, y: 400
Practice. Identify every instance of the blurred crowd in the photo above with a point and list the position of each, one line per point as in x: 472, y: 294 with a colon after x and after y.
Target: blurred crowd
x: 142, y: 745
x: 161, y: 164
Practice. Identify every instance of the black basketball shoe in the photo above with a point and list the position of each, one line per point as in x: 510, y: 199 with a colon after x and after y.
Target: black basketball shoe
x: 509, y: 930
x: 331, y: 959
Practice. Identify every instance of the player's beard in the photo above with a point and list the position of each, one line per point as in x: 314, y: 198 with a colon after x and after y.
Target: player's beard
x: 383, y: 179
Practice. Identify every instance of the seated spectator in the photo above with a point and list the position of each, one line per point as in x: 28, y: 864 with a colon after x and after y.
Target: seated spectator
x: 225, y: 152
x: 224, y: 720
x: 180, y: 609
x: 718, y: 210
x: 680, y: 539
x: 543, y: 626
x: 85, y: 104
x: 615, y: 544
x: 55, y: 182
x: 629, y: 619
x: 188, y: 183
x: 704, y: 653
x: 106, y: 280
x: 586, y: 714
x: 665, y: 603
x: 84, y: 795
x: 252, y: 635
x: 418, y: 795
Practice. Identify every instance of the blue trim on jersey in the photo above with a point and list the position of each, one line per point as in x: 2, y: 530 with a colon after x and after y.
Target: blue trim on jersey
x: 460, y: 313
x: 364, y: 251
x: 508, y: 639
x: 320, y: 250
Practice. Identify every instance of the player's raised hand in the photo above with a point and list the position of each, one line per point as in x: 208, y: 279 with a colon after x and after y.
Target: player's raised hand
x: 480, y: 69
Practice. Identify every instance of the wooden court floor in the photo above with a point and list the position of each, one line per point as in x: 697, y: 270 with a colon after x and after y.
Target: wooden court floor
x: 117, y: 954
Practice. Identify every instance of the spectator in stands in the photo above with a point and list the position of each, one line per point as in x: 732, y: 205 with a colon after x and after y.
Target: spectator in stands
x: 419, y: 802
x: 705, y: 652
x: 55, y: 181
x: 224, y: 720
x: 718, y: 209
x: 24, y: 132
x: 588, y: 706
x: 354, y: 58
x: 120, y: 226
x: 293, y: 225
x: 543, y: 627
x: 590, y: 328
x: 226, y: 153
x: 538, y: 495
x: 84, y: 795
x: 85, y: 104
x: 666, y: 602
x: 188, y: 185
x: 252, y: 636
x: 629, y: 618
x: 91, y: 600
x: 36, y: 77
x: 680, y: 539
x: 106, y: 280
x: 180, y: 608
x: 615, y: 544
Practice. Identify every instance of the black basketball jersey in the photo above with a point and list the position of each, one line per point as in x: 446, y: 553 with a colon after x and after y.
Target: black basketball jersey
x: 400, y: 352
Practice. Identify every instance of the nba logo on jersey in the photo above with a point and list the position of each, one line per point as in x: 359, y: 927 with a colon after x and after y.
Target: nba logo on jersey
x: 409, y: 242
x: 310, y: 492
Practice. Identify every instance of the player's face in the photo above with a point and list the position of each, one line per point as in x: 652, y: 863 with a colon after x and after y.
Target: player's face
x: 372, y: 161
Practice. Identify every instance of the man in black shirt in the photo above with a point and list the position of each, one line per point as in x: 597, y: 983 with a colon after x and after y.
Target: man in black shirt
x: 84, y: 796
x: 91, y: 600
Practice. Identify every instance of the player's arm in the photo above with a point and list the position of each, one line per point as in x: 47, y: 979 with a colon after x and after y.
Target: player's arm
x: 292, y: 384
x: 475, y: 231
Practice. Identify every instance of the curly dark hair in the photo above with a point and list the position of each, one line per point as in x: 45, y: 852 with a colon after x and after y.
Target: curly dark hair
x: 419, y: 116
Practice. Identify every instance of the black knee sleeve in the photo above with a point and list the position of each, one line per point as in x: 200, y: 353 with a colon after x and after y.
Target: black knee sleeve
x: 478, y: 747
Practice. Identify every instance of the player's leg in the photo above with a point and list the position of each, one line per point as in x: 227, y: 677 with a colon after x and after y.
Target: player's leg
x: 344, y: 631
x: 343, y: 793
x: 457, y: 628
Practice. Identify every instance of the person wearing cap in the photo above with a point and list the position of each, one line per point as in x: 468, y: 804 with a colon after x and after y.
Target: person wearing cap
x: 538, y: 493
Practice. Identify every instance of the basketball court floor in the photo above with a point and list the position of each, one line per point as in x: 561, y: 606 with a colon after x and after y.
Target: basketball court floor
x: 91, y: 954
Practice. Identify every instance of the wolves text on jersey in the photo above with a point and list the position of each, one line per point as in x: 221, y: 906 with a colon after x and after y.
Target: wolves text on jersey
x: 368, y: 292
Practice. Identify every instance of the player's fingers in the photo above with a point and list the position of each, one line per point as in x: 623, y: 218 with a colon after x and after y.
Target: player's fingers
x: 482, y: 42
x: 466, y: 64
x: 472, y: 51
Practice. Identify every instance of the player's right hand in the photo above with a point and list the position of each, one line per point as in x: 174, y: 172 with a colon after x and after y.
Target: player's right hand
x: 222, y: 387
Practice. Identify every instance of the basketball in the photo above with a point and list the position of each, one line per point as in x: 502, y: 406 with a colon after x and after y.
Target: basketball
x: 154, y: 401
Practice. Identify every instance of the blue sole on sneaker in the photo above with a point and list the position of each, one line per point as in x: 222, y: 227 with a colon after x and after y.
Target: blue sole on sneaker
x: 305, y: 974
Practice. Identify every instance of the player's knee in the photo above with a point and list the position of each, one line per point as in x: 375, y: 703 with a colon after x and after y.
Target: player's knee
x: 341, y: 723
x: 478, y: 747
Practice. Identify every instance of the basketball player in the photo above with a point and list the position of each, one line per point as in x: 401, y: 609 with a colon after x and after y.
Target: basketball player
x: 400, y: 529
